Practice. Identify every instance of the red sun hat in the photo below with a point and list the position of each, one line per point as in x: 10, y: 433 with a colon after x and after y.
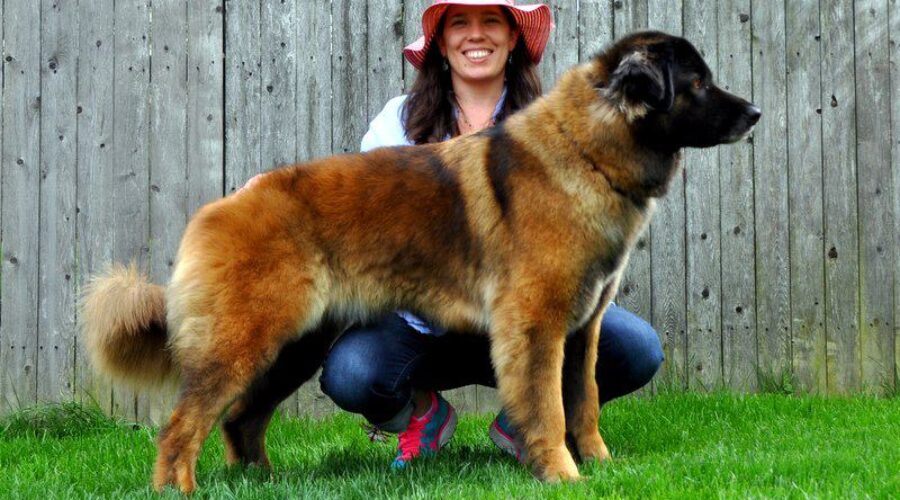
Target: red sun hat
x: 533, y: 21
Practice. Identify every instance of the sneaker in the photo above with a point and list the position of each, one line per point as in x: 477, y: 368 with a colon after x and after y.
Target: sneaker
x: 427, y: 434
x: 503, y: 434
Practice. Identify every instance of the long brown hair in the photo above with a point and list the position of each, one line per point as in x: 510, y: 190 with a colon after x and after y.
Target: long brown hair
x: 428, y: 111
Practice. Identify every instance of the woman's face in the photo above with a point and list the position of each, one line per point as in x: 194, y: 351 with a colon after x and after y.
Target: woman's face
x: 477, y: 41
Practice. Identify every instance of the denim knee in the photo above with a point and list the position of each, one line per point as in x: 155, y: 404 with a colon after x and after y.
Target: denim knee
x: 630, y: 353
x: 349, y: 375
x: 648, y: 357
x: 365, y: 372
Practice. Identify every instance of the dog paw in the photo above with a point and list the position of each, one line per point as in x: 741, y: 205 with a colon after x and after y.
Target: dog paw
x: 186, y: 482
x: 592, y: 447
x: 177, y: 475
x: 556, y: 466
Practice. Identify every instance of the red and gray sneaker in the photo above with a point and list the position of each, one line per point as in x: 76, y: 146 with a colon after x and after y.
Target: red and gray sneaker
x: 427, y: 434
x: 504, y: 435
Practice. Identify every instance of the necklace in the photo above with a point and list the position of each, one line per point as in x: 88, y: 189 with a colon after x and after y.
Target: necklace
x: 465, y: 119
x: 469, y: 126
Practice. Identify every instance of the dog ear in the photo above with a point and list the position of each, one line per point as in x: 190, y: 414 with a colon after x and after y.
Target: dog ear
x: 642, y: 82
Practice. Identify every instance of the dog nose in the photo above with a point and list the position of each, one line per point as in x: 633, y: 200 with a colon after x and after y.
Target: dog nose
x: 754, y: 113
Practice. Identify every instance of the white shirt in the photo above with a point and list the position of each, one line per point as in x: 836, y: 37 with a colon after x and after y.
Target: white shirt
x: 387, y: 127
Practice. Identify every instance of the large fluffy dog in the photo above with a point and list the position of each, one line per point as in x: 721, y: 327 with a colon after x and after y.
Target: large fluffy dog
x: 521, y: 231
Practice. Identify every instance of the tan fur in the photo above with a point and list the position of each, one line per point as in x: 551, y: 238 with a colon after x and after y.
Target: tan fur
x: 519, y: 233
x: 124, y: 321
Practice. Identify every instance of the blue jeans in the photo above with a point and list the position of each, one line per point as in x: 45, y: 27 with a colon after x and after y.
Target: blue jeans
x: 373, y: 369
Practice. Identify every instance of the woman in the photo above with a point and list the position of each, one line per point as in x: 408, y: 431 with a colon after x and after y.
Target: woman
x: 476, y: 65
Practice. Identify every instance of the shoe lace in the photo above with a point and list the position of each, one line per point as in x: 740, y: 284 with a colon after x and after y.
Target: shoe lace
x: 410, y: 440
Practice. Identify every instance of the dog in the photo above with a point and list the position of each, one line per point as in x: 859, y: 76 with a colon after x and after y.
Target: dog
x: 521, y: 231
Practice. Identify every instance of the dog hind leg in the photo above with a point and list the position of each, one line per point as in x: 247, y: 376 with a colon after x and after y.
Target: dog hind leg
x: 244, y: 428
x: 216, y: 374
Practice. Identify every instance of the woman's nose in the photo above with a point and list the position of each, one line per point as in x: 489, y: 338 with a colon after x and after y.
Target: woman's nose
x: 476, y: 31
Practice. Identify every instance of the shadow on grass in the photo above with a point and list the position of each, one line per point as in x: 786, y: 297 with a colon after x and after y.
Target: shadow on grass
x: 344, y: 464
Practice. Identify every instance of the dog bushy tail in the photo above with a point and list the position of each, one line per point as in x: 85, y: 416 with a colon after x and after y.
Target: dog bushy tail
x: 124, y: 325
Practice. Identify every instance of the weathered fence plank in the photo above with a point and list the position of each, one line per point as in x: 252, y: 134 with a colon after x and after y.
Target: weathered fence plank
x: 628, y: 16
x: 873, y: 150
x: 348, y: 73
x: 894, y: 34
x: 242, y: 93
x: 737, y: 223
x: 168, y: 157
x: 770, y: 195
x: 205, y: 116
x: 385, y: 54
x: 562, y: 48
x: 168, y: 135
x: 412, y: 29
x: 704, y: 306
x: 805, y: 195
x: 94, y: 209
x: 56, y: 338
x: 595, y: 27
x: 20, y: 225
x: 667, y: 242
x: 840, y: 207
x: 278, y: 122
x: 3, y: 344
x: 130, y: 231
x: 314, y: 101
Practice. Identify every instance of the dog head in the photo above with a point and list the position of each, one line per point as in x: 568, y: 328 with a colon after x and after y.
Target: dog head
x: 665, y: 91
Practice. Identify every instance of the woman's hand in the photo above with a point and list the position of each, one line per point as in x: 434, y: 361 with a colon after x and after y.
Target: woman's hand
x: 253, y: 180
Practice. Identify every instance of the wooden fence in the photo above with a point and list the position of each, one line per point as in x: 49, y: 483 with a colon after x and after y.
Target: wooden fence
x: 772, y: 260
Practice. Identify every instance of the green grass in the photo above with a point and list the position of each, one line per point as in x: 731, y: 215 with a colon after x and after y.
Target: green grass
x: 682, y: 446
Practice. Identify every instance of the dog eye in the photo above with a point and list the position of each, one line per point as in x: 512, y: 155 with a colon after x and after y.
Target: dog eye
x: 697, y: 84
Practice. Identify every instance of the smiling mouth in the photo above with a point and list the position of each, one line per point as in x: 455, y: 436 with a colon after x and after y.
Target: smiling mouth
x: 477, y: 54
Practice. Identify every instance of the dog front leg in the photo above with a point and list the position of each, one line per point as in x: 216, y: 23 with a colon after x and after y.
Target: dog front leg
x: 580, y: 395
x: 528, y: 358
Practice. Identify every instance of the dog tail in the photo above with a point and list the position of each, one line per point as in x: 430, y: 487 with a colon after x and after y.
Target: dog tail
x: 124, y: 325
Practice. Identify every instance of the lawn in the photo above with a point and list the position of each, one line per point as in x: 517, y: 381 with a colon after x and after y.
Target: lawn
x: 671, y: 445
